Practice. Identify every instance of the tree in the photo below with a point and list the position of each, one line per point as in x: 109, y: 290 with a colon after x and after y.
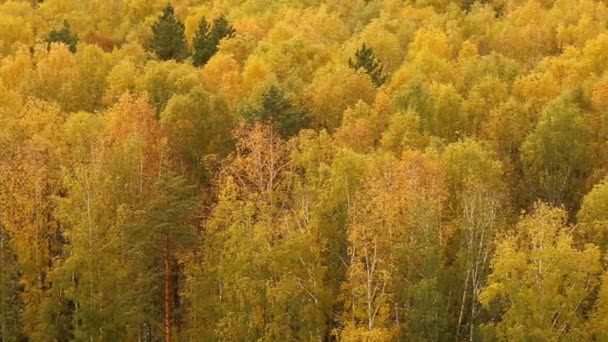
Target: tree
x: 445, y: 116
x: 330, y: 177
x: 201, y: 44
x: 32, y: 178
x: 207, y: 39
x: 163, y: 80
x: 394, y: 234
x: 168, y: 41
x: 555, y: 154
x: 96, y: 274
x: 357, y: 130
x: 541, y: 283
x: 16, y: 26
x: 593, y: 216
x: 333, y: 89
x: 477, y: 194
x: 597, y: 325
x: 10, y: 303
x: 101, y: 271
x: 165, y: 222
x: 365, y: 59
x: 403, y: 132
x: 199, y: 123
x: 93, y: 68
x: 277, y: 110
x: 64, y: 35
x: 262, y: 273
x: 221, y: 29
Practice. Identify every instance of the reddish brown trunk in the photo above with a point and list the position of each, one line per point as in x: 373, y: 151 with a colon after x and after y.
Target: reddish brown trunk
x: 167, y: 294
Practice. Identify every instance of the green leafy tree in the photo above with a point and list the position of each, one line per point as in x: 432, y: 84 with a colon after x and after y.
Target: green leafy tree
x: 64, y: 35
x: 168, y: 41
x: 96, y: 273
x: 366, y: 60
x: 164, y: 79
x: 555, y: 154
x: 199, y: 124
x: 101, y: 273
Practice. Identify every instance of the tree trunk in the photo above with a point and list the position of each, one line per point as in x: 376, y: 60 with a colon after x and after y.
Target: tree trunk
x: 167, y: 294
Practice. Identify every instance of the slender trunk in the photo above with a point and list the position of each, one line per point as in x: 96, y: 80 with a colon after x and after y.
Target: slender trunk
x: 167, y: 294
x: 463, y: 303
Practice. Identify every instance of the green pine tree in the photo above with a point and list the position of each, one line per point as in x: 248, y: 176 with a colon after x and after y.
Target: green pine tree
x: 221, y: 29
x: 168, y: 41
x: 366, y: 60
x: 64, y: 36
x: 163, y: 230
x: 207, y: 39
x: 202, y: 47
x: 278, y: 110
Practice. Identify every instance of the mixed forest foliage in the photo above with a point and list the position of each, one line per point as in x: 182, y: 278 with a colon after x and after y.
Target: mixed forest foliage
x: 318, y: 170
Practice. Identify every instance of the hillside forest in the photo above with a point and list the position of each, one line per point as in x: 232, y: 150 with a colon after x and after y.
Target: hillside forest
x: 312, y: 170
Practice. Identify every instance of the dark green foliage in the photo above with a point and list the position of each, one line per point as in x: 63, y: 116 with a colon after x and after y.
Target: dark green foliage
x: 277, y: 110
x: 207, y: 39
x: 64, y: 36
x: 10, y: 303
x: 168, y: 41
x: 221, y: 29
x: 168, y: 213
x: 365, y: 59
x: 163, y: 229
x: 202, y: 50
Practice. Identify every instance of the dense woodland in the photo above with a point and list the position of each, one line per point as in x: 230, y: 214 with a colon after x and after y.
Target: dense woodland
x: 278, y: 170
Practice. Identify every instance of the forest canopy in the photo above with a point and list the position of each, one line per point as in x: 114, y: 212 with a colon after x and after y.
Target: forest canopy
x: 318, y: 170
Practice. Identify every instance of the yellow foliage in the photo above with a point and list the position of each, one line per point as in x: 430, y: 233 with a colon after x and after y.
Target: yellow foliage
x: 222, y: 75
x: 335, y: 88
x: 433, y: 41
